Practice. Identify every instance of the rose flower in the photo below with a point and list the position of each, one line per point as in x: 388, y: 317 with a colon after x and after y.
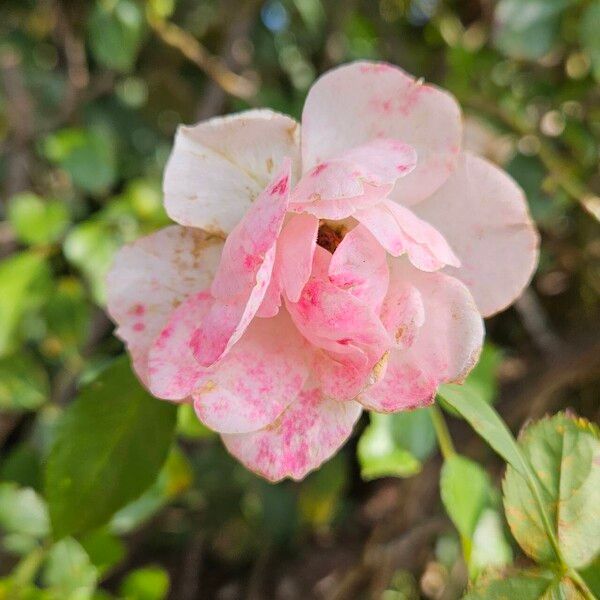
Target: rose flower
x: 318, y: 271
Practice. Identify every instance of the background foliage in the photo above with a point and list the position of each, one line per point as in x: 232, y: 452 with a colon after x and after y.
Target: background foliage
x: 91, y: 93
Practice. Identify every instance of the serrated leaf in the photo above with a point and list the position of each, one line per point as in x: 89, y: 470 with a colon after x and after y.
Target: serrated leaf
x: 115, y: 29
x: 564, y: 453
x: 109, y: 448
x: 465, y: 489
x: 35, y: 220
x: 525, y: 586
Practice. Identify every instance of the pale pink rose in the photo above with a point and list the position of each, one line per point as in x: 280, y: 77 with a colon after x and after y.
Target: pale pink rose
x: 315, y: 273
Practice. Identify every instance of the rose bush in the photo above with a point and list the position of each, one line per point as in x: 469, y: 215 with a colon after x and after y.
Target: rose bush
x: 318, y: 271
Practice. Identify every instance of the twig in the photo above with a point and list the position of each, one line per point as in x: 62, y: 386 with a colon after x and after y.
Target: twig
x: 193, y: 50
x: 559, y: 167
x: 19, y: 109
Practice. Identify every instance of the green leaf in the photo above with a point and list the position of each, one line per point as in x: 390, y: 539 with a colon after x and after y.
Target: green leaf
x: 24, y: 278
x: 321, y: 494
x: 481, y: 381
x: 37, y: 221
x: 589, y: 37
x: 525, y: 586
x: 591, y: 576
x: 104, y: 549
x: 465, y: 490
x: 189, y: 426
x: 91, y: 247
x: 564, y: 453
x: 109, y: 448
x: 175, y: 477
x: 115, y: 29
x: 489, y: 546
x: 87, y: 155
x: 68, y: 571
x: 24, y: 382
x: 394, y: 445
x: 528, y: 28
x: 22, y: 511
x: 148, y: 583
x: 486, y: 422
x: 67, y: 314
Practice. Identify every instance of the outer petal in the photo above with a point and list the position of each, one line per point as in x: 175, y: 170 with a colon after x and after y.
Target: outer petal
x: 483, y: 214
x: 399, y: 231
x: 257, y: 380
x: 150, y: 277
x: 309, y: 432
x: 217, y: 168
x: 356, y: 179
x: 174, y: 372
x: 359, y: 265
x: 444, y: 349
x: 244, y: 273
x: 356, y: 103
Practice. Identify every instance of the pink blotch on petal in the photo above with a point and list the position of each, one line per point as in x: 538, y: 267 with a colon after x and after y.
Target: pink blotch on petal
x: 256, y: 381
x: 444, y: 348
x: 353, y: 180
x: 150, y: 277
x: 309, y: 432
x: 244, y: 274
x: 382, y: 100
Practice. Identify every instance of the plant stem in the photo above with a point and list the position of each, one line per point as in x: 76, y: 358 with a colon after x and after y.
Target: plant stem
x: 581, y: 584
x: 442, y: 433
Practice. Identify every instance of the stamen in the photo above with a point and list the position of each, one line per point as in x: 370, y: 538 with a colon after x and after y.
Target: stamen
x: 329, y: 237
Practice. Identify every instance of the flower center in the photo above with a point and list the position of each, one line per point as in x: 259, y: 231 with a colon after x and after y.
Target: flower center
x: 330, y: 236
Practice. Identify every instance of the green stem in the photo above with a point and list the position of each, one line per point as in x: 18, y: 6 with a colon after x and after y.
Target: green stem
x: 581, y: 584
x: 442, y: 433
x: 27, y: 568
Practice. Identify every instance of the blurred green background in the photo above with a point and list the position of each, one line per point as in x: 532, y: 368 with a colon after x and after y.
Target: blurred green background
x: 90, y: 95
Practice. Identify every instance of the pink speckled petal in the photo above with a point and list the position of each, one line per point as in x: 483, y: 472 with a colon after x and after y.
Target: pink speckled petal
x: 345, y: 327
x: 173, y: 370
x: 356, y: 103
x: 219, y: 167
x: 332, y: 318
x: 356, y: 179
x: 244, y: 273
x: 308, y: 433
x: 359, y: 265
x: 257, y: 380
x: 445, y: 348
x: 399, y: 231
x: 295, y: 253
x: 150, y: 277
x: 403, y: 312
x: 483, y: 214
